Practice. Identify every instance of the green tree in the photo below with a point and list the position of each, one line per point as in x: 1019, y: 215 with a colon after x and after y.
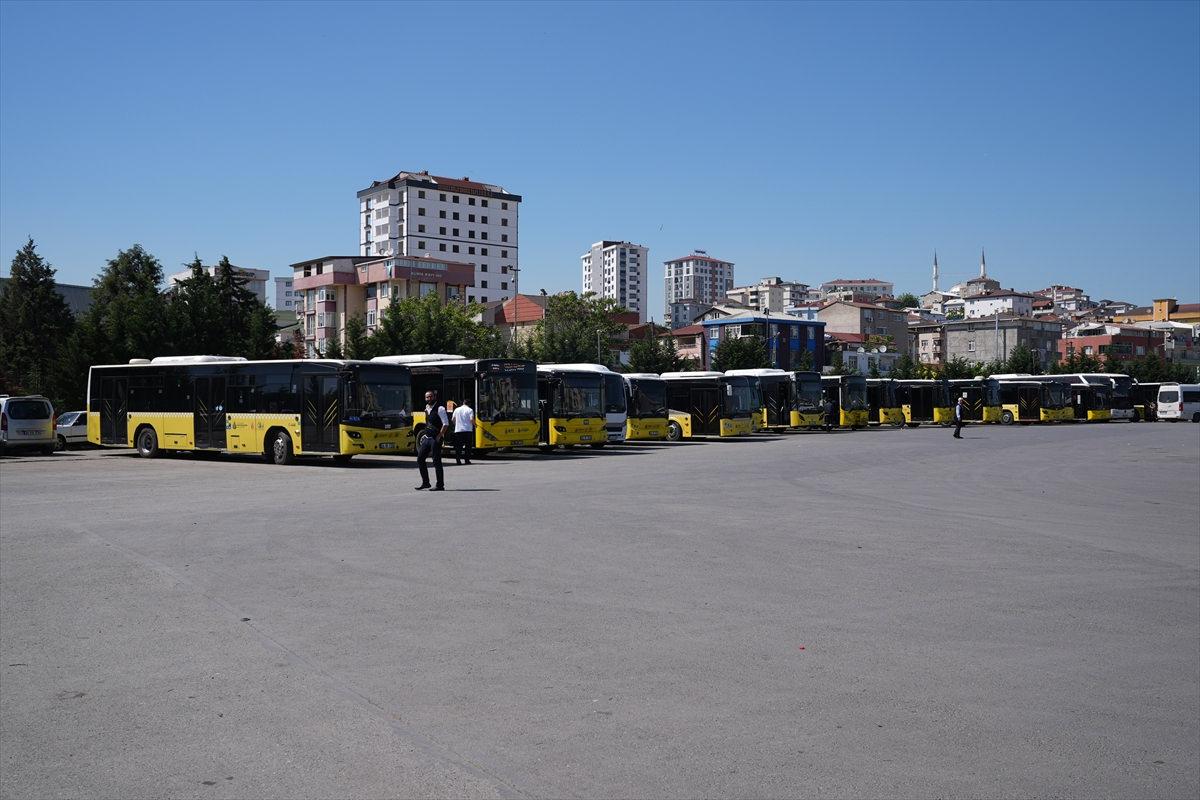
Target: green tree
x: 1022, y: 359
x: 577, y: 328
x: 805, y: 361
x: 358, y: 344
x: 127, y: 317
x: 194, y: 314
x: 905, y: 368
x: 333, y: 349
x: 746, y: 352
x: 655, y: 354
x: 35, y: 322
x: 426, y: 325
x: 873, y: 370
x: 909, y: 300
x: 958, y: 367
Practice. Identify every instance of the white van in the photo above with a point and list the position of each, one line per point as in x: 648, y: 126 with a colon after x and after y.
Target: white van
x: 26, y: 423
x: 1178, y: 401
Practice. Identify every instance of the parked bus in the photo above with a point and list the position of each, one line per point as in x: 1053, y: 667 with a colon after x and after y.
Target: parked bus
x: 1145, y: 401
x: 1028, y: 401
x: 808, y: 410
x: 1085, y: 402
x: 647, y: 400
x: 1120, y: 390
x: 982, y: 396
x: 848, y: 393
x: 709, y: 404
x: 882, y: 406
x: 613, y: 396
x: 925, y: 401
x: 1178, y: 401
x: 571, y: 406
x: 776, y: 388
x: 502, y: 391
x: 279, y: 409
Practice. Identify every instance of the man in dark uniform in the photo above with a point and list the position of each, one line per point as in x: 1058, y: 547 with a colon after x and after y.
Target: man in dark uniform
x: 429, y: 441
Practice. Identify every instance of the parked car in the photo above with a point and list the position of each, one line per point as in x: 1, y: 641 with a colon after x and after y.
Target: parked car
x: 1178, y: 401
x: 71, y: 429
x: 26, y: 423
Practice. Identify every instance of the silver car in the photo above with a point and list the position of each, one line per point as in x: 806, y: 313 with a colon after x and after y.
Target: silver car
x: 71, y: 429
x: 27, y: 423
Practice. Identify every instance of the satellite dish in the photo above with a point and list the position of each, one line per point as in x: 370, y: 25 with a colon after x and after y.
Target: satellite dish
x: 883, y: 348
x: 862, y: 349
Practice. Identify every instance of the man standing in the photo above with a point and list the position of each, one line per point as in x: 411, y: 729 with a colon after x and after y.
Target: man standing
x: 960, y: 410
x: 429, y: 441
x: 464, y: 432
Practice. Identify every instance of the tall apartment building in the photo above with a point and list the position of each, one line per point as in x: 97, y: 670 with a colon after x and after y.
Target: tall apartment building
x: 770, y: 294
x: 618, y: 270
x: 416, y: 214
x: 286, y: 299
x: 697, y: 277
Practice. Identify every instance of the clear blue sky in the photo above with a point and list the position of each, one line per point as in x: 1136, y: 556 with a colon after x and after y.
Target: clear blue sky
x: 811, y: 141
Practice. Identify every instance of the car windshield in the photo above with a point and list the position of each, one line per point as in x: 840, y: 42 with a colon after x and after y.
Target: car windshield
x: 614, y: 394
x: 649, y: 399
x: 67, y: 420
x: 28, y: 409
x: 581, y: 395
x: 510, y: 396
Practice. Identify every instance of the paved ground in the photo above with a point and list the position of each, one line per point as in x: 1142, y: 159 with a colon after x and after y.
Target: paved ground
x: 883, y: 613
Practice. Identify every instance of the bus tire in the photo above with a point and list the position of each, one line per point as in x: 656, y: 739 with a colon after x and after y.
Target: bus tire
x: 674, y: 431
x: 342, y: 459
x: 597, y: 445
x: 546, y: 448
x: 1006, y: 418
x: 146, y: 442
x: 280, y: 450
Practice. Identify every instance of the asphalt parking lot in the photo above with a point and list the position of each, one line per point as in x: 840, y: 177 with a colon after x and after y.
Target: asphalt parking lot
x: 869, y: 614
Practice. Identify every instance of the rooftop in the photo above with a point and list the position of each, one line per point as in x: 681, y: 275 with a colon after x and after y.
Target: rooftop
x: 463, y: 184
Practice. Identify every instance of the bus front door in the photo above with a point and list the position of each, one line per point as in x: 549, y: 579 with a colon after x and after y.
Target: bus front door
x: 322, y: 413
x: 208, y: 411
x: 114, y: 410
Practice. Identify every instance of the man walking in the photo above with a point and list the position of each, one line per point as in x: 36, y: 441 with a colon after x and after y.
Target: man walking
x: 429, y: 441
x: 464, y: 432
x: 960, y: 410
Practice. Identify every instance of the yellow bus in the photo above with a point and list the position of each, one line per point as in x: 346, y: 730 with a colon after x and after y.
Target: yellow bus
x: 571, y: 407
x: 502, y: 391
x: 776, y: 388
x: 279, y: 409
x: 709, y: 404
x: 848, y: 393
x: 808, y: 410
x: 647, y: 401
x: 882, y: 406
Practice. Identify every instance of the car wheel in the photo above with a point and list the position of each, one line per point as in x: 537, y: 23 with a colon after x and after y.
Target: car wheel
x: 1006, y: 418
x: 281, y: 449
x: 147, y: 443
x: 1195, y: 417
x: 62, y: 442
x: 674, y: 431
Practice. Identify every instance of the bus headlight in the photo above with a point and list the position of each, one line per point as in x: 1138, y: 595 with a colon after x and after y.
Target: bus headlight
x: 354, y: 434
x: 487, y: 435
x: 560, y: 429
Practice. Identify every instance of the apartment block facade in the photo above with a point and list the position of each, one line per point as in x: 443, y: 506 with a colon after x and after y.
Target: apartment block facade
x: 698, y: 278
x: 869, y: 289
x: 770, y: 294
x: 419, y: 215
x: 618, y: 270
x: 335, y: 289
x: 865, y: 319
x: 286, y: 298
x: 986, y: 339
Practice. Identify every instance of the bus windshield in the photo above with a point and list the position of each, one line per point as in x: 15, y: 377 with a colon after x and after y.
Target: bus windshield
x: 649, y: 399
x: 1054, y: 394
x: 580, y: 395
x: 507, y: 396
x: 379, y: 395
x: 1122, y: 386
x: 855, y: 394
x: 742, y: 398
x: 808, y: 393
x: 614, y: 394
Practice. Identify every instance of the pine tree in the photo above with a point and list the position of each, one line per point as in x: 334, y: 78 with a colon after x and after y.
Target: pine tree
x: 358, y: 346
x: 746, y: 352
x: 127, y: 318
x: 35, y: 323
x: 195, y: 315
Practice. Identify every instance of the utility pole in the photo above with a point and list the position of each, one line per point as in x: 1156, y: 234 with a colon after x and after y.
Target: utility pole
x: 516, y: 273
x: 599, y: 357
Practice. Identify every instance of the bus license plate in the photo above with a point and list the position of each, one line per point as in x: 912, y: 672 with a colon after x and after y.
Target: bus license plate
x: 517, y: 442
x: 587, y: 438
x: 387, y: 445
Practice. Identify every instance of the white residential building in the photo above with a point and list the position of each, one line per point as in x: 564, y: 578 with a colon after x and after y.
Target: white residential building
x: 618, y: 270
x: 771, y: 294
x: 286, y: 299
x: 857, y: 289
x: 992, y: 303
x: 256, y: 279
x: 416, y: 214
x: 698, y: 277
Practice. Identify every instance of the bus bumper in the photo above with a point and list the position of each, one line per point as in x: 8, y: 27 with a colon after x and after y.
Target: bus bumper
x: 891, y: 416
x: 517, y: 433
x: 577, y: 431
x: 736, y: 427
x: 802, y: 419
x: 646, y: 429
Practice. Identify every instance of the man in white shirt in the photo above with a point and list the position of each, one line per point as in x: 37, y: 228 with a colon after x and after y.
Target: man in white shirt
x: 464, y: 432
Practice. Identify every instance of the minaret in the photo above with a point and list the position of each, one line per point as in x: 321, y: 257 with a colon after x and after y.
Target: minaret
x: 935, y: 271
x: 982, y: 264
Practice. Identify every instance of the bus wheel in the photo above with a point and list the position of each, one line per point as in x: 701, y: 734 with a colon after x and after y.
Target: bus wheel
x: 674, y: 432
x: 147, y: 442
x: 546, y: 448
x: 343, y: 459
x: 281, y: 449
x: 597, y: 445
x: 1006, y: 418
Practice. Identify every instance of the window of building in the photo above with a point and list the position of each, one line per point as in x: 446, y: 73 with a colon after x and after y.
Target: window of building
x: 471, y: 200
x: 504, y: 222
x: 454, y: 248
x: 420, y: 229
x: 483, y: 203
x: 420, y: 245
x: 483, y: 235
x: 971, y: 346
x: 442, y: 246
x: 483, y: 251
x: 471, y: 251
x: 470, y: 298
x: 455, y: 200
x: 370, y: 319
x: 470, y: 217
x: 442, y: 214
x: 442, y: 197
x: 456, y: 231
x: 421, y: 194
x: 504, y: 206
x: 470, y: 234
x: 504, y: 269
x: 420, y: 211
x: 441, y: 231
x: 483, y: 284
x: 427, y: 288
x: 456, y: 215
x: 503, y: 237
x: 503, y: 284
x: 504, y: 254
x: 483, y: 268
x: 385, y: 289
x: 454, y: 293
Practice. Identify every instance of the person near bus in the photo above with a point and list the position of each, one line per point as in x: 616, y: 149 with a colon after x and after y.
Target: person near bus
x: 464, y: 432
x: 828, y: 415
x: 429, y: 442
x: 960, y: 411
